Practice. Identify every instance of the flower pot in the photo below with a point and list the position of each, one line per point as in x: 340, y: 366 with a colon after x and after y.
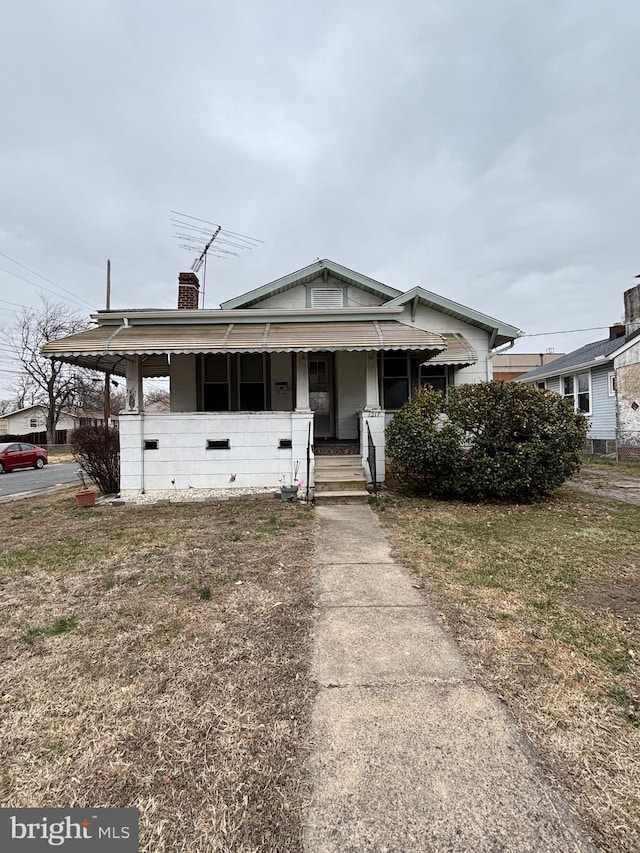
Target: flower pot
x: 288, y: 493
x: 87, y: 497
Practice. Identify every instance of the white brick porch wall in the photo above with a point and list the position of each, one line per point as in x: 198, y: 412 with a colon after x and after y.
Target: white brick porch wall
x: 254, y: 456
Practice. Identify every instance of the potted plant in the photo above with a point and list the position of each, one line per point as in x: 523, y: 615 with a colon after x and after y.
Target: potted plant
x: 289, y: 493
x: 87, y: 497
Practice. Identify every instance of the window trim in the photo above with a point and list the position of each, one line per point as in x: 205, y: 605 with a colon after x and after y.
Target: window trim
x: 575, y: 393
x: 383, y: 376
x: 241, y: 382
x: 227, y: 382
x: 611, y: 383
x: 444, y: 374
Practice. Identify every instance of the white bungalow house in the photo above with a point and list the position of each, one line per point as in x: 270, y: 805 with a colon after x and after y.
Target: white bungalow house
x: 313, y: 363
x: 602, y: 379
x: 30, y: 423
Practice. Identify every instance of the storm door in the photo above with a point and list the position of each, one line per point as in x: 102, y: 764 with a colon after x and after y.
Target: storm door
x: 321, y: 398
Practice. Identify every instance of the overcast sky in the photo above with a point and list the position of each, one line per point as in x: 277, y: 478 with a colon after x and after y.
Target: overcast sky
x: 486, y: 151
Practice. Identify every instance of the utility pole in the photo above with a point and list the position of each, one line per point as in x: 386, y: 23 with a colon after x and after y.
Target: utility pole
x: 107, y: 376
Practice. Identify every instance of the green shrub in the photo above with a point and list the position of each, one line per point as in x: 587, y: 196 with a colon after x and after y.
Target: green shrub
x: 491, y: 440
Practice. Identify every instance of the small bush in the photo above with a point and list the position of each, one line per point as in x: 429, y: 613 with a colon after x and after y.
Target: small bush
x: 491, y: 440
x: 97, y: 450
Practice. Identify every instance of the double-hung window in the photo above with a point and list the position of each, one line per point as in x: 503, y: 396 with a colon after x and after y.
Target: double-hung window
x: 252, y: 397
x: 432, y: 376
x: 577, y: 389
x: 216, y: 383
x: 395, y: 382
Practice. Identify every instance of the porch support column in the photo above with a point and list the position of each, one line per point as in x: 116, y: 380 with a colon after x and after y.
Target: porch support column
x: 302, y: 382
x: 134, y: 400
x: 372, y: 388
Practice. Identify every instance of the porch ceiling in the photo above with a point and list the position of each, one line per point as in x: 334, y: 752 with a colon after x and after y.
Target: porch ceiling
x: 105, y: 348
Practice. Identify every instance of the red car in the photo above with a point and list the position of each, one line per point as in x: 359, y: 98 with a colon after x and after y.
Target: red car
x: 21, y: 455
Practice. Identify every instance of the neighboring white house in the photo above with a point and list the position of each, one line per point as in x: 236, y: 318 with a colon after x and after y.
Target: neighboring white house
x: 318, y: 359
x: 33, y: 419
x: 602, y: 379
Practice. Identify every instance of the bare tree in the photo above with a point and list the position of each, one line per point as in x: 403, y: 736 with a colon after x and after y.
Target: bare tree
x: 91, y: 390
x: 43, y: 380
x: 24, y: 394
x: 158, y: 399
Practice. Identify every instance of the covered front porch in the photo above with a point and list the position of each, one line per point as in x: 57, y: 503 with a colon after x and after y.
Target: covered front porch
x: 307, y: 401
x: 251, y: 400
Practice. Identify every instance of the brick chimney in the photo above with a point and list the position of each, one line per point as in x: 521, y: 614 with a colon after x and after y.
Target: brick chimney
x: 188, y: 291
x: 616, y: 331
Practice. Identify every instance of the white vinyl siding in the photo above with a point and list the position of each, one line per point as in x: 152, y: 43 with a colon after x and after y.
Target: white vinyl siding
x: 602, y: 423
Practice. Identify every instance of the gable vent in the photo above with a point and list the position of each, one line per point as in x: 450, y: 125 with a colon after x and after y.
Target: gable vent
x: 327, y: 297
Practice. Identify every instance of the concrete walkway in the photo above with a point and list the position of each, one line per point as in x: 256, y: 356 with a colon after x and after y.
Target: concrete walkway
x: 409, y: 753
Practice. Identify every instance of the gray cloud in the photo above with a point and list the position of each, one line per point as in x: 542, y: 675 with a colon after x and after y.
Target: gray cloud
x: 486, y: 151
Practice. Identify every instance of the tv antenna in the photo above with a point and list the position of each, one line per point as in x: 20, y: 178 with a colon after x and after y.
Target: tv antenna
x: 212, y: 240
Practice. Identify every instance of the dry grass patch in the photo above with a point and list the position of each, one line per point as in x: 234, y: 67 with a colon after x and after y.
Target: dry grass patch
x: 606, y: 464
x: 544, y: 601
x: 158, y: 657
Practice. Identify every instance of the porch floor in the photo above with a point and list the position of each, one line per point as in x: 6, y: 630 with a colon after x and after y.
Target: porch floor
x: 336, y: 447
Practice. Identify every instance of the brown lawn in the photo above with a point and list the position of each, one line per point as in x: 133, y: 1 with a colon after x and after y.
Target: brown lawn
x: 544, y: 601
x: 158, y: 657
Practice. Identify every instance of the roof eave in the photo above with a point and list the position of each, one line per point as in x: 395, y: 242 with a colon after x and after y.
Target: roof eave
x: 181, y: 317
x: 504, y: 332
x: 571, y: 368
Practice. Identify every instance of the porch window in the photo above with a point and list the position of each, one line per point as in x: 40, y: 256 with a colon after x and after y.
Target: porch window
x: 577, y: 389
x: 395, y: 382
x: 216, y: 383
x: 434, y: 377
x: 252, y: 396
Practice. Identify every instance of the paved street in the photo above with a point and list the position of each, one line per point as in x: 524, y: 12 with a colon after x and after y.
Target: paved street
x: 30, y: 480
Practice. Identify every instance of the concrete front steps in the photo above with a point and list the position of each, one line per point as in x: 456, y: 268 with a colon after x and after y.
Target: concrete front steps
x: 340, y: 479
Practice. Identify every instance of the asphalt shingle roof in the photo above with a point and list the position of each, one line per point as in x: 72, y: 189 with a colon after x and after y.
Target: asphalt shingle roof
x: 587, y: 354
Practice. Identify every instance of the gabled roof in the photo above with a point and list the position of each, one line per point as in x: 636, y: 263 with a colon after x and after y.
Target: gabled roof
x: 502, y: 333
x: 31, y: 408
x: 598, y: 352
x: 306, y: 275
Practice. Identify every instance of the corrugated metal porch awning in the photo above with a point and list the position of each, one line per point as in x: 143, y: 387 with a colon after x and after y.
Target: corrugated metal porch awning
x: 107, y: 347
x: 459, y: 352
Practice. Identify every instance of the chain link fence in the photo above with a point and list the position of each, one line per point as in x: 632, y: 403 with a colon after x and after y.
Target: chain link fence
x: 628, y: 446
x: 625, y: 447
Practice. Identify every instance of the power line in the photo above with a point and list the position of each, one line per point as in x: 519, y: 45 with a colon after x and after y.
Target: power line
x: 42, y: 287
x: 44, y: 278
x: 564, y: 332
x: 17, y: 304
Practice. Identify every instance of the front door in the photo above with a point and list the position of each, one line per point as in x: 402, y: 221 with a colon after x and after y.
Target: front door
x: 321, y: 394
